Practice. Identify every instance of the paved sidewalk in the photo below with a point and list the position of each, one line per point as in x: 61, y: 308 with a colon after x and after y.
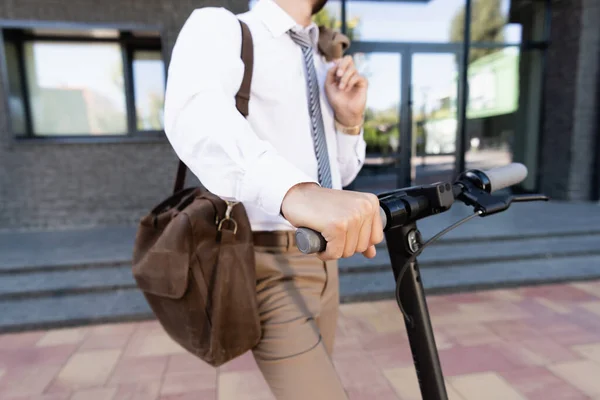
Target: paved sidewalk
x: 535, y: 343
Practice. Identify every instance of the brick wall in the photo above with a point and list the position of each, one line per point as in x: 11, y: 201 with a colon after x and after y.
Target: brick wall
x: 49, y: 185
x: 570, y: 128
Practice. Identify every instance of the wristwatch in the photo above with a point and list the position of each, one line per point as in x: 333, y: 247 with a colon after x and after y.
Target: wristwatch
x: 349, y: 130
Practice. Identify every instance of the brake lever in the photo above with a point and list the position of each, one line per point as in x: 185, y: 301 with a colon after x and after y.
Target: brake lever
x: 492, y: 204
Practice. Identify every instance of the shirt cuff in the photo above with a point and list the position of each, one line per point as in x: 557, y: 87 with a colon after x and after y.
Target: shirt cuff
x: 267, y: 182
x: 350, y: 146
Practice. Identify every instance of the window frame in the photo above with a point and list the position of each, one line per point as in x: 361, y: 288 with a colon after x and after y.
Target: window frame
x: 128, y: 44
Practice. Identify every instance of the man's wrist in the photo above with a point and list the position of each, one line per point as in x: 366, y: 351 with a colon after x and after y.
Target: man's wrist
x: 354, y: 128
x: 295, y: 188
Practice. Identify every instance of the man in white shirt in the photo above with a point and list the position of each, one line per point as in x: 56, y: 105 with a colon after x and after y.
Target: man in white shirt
x: 286, y: 163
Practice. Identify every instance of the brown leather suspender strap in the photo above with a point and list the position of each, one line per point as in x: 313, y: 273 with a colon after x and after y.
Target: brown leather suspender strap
x: 242, y: 98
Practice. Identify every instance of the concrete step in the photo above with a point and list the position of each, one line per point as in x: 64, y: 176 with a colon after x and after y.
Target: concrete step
x: 20, y: 313
x: 452, y: 253
x: 381, y: 284
x: 51, y: 282
x: 73, y: 310
x: 54, y: 283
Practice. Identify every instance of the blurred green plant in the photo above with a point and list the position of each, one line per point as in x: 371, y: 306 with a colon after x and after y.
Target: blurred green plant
x: 327, y: 19
x: 381, y: 129
x: 487, y: 25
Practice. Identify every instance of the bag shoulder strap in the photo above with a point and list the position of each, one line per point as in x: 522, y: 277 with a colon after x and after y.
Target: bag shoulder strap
x: 242, y: 98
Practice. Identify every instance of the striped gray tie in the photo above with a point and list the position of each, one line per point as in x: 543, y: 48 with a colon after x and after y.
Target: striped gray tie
x: 314, y: 105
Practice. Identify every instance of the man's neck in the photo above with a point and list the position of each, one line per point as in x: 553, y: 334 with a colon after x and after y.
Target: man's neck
x: 299, y: 10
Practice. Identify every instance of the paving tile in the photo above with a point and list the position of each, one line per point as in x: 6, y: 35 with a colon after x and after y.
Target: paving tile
x: 358, y: 371
x: 347, y: 345
x: 563, y: 331
x: 556, y: 306
x: 480, y: 312
x: 470, y: 334
x: 510, y: 295
x: 95, y: 394
x: 14, y: 341
x: 518, y: 354
x: 138, y: 391
x: 151, y: 342
x: 538, y: 383
x: 143, y: 369
x: 353, y: 326
x: 593, y: 306
x: 468, y: 360
x: 589, y: 351
x: 47, y: 396
x: 188, y: 363
x: 390, y: 306
x: 386, y: 322
x: 114, y: 336
x: 29, y: 380
x: 405, y: 384
x: 372, y: 392
x: 184, y: 382
x: 209, y: 394
x: 581, y: 374
x: 358, y: 309
x: 493, y: 311
x: 392, y: 358
x: 486, y: 385
x: 245, y: 362
x: 383, y: 341
x: 62, y: 336
x: 247, y: 385
x: 36, y: 356
x: 559, y: 293
x: 442, y: 309
x: 592, y: 288
x: 549, y: 351
x: 86, y: 370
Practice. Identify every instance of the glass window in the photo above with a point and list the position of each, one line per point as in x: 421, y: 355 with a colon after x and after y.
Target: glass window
x: 382, y: 121
x: 489, y: 23
x: 149, y: 87
x: 417, y: 21
x: 492, y: 117
x: 75, y: 82
x: 76, y: 88
x: 16, y: 102
x: 434, y: 116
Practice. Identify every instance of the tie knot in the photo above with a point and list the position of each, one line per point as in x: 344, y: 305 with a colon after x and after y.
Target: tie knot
x: 301, y: 37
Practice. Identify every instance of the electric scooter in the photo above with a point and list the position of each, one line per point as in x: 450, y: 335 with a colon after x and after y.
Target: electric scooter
x: 400, y: 211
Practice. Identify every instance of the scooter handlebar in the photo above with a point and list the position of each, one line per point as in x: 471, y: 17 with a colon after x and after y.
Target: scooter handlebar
x: 309, y: 241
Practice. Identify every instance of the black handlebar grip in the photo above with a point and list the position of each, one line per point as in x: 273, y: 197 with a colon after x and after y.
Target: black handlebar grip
x: 506, y: 176
x: 309, y: 241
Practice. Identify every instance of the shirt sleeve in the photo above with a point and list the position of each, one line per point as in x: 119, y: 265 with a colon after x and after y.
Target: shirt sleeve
x: 203, y: 125
x: 351, y: 155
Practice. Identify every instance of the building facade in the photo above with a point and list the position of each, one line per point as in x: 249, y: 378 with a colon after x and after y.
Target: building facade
x: 81, y: 141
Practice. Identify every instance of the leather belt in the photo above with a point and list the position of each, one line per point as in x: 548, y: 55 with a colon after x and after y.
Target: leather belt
x: 285, y: 239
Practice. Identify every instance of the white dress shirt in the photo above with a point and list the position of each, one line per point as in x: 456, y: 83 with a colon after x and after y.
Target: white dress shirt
x: 256, y: 160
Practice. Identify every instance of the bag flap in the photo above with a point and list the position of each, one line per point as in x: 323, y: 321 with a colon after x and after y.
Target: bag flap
x: 163, y: 268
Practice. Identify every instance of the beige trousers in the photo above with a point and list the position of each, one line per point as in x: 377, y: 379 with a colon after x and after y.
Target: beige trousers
x: 298, y: 297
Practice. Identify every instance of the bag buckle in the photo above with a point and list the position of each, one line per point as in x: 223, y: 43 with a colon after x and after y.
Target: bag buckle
x: 227, y: 217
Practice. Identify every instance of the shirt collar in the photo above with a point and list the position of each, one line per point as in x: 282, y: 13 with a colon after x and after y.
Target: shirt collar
x: 278, y: 22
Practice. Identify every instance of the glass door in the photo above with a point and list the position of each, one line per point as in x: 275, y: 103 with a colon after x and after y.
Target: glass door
x: 433, y: 115
x: 382, y: 121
